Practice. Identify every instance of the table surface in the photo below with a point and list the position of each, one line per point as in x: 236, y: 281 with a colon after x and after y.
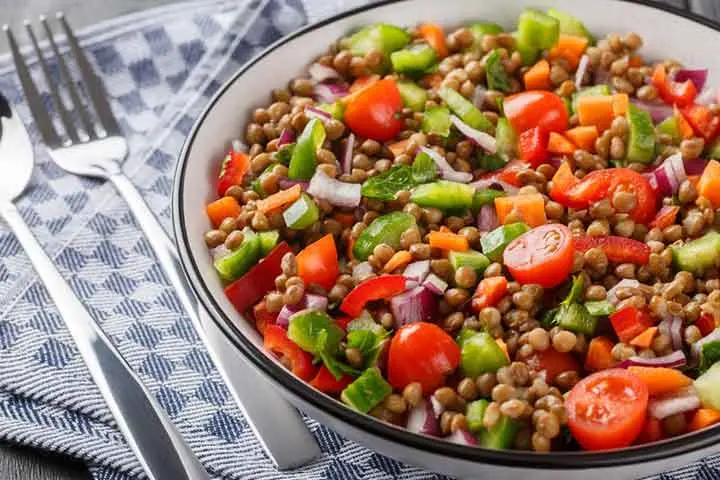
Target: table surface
x: 22, y: 463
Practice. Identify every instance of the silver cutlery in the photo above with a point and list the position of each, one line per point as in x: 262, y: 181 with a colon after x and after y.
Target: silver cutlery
x: 152, y: 437
x: 98, y: 150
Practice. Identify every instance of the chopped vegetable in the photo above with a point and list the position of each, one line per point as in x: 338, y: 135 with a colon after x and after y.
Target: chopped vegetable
x: 448, y: 241
x: 644, y: 339
x: 481, y: 354
x: 366, y: 391
x: 486, y: 197
x: 506, y: 140
x: 234, y: 265
x: 414, y: 60
x: 599, y: 354
x: 599, y: 308
x: 399, y: 260
x: 617, y: 249
x: 384, y: 229
x: 497, y: 77
x: 707, y: 389
x: 704, y: 417
x: 538, y: 76
x: 479, y: 30
x: 259, y: 280
x: 698, y: 255
x: 376, y: 288
x: 434, y: 35
x: 221, y: 209
x: 493, y: 243
x: 641, y: 138
x: 386, y: 185
x: 709, y: 184
x: 709, y: 355
x: 489, y: 292
x: 536, y: 108
x: 372, y: 113
x: 466, y: 111
x: 552, y: 362
x: 436, y: 120
x: 233, y: 170
x: 302, y: 213
x: 665, y: 217
x: 537, y: 30
x: 583, y: 136
x: 530, y: 208
x: 318, y: 263
x: 544, y: 255
x: 300, y: 362
x: 314, y: 331
x: 475, y: 413
x: 572, y: 315
x: 413, y: 96
x: 673, y: 93
x: 570, y: 24
x: 629, y: 322
x: 595, y: 110
x: 560, y: 145
x: 327, y: 383
x: 304, y: 157
x: 661, y: 380
x: 502, y: 435
x: 471, y: 258
x: 570, y: 48
x: 533, y: 146
x: 383, y: 37
x: 443, y: 195
x: 423, y: 168
x: 280, y: 199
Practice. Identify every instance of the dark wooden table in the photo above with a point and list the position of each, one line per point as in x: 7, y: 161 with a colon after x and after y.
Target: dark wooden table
x: 22, y: 463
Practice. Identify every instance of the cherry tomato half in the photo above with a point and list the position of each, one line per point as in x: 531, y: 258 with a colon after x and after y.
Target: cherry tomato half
x: 421, y: 352
x: 607, y: 409
x: 536, y: 108
x: 544, y: 255
x: 373, y: 112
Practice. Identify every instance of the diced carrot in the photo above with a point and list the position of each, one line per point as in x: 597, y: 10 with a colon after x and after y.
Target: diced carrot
x: 569, y: 47
x: 489, y: 292
x: 595, y: 110
x: 635, y: 60
x: 563, y: 179
x: 400, y: 259
x: 557, y: 143
x: 599, y: 354
x: 665, y: 217
x: 221, y: 209
x: 709, y: 184
x: 434, y: 35
x: 398, y: 148
x: 280, y: 199
x: 686, y: 130
x: 538, y: 77
x: 448, y: 241
x: 644, y: 340
x: 706, y: 323
x: 704, y: 417
x: 620, y: 102
x: 432, y: 80
x: 503, y: 346
x: 530, y: 208
x: 583, y: 136
x: 661, y: 380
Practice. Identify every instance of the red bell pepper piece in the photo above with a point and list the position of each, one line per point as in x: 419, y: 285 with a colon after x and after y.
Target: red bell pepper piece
x: 630, y: 322
x: 343, y: 322
x: 233, y: 170
x: 706, y: 323
x: 562, y: 181
x: 508, y: 173
x: 673, y: 93
x: 533, y: 146
x: 617, y: 249
x: 263, y: 317
x: 378, y: 288
x: 702, y: 121
x: 297, y: 360
x: 327, y: 383
x: 249, y: 289
x: 665, y: 217
x: 318, y: 262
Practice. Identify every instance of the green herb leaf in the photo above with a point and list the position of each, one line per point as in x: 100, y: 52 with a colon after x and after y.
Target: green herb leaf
x: 497, y: 77
x: 338, y: 368
x: 709, y: 354
x: 386, y: 185
x: 285, y: 153
x: 576, y: 290
x: 423, y: 168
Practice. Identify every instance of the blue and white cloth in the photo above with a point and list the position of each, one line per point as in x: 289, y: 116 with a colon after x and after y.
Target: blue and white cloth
x: 160, y: 67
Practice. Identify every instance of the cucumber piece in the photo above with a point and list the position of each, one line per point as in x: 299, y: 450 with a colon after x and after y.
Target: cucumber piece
x: 475, y: 413
x: 381, y: 36
x: 413, y: 96
x: 505, y: 137
x: 529, y: 53
x: 485, y: 197
x: 537, y: 29
x: 493, y: 243
x: 444, y: 195
x: 302, y: 213
x: 437, y: 120
x: 415, y: 60
x: 268, y: 240
x: 463, y: 108
x: 641, y: 139
x: 571, y: 25
x: 698, y: 255
x: 480, y: 29
x: 502, y: 435
x: 476, y: 260
x: 336, y: 109
x: 707, y: 386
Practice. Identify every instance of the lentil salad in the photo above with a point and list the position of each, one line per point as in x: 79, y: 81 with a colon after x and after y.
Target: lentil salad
x: 503, y: 239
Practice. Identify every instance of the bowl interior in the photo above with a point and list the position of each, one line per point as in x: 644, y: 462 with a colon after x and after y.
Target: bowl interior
x: 665, y: 35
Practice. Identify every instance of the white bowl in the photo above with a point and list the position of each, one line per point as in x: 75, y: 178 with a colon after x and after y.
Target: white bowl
x: 667, y: 33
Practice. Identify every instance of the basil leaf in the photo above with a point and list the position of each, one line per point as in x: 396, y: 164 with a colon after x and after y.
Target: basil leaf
x: 386, y: 185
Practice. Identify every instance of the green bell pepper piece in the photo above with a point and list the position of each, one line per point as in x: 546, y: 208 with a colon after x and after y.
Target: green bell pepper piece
x: 671, y: 127
x: 714, y: 150
x: 493, y: 243
x: 387, y: 184
x: 235, y: 264
x: 268, y: 240
x: 285, y: 153
x: 698, y: 255
x: 366, y: 322
x: 594, y: 91
x: 367, y: 391
x: 314, y: 331
x: 570, y: 24
x: 471, y: 258
x: 258, y: 182
x: 436, y: 120
x: 304, y: 158
x: 444, y: 195
x: 600, y: 308
x: 502, y: 435
x: 481, y: 354
x: 423, y: 168
x: 480, y: 29
x: 413, y: 95
x: 465, y: 110
x: 505, y: 137
x: 485, y: 197
x: 497, y: 77
x: 335, y: 109
x: 302, y: 213
x: 492, y: 162
x: 414, y: 60
x: 573, y: 315
x: 384, y: 229
x: 535, y: 29
x: 381, y: 36
x: 464, y: 335
x: 641, y: 137
x: 474, y: 415
x: 709, y: 355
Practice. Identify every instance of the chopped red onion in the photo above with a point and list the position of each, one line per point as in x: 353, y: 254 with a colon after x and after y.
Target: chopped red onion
x: 484, y: 140
x: 676, y: 333
x: 672, y: 360
x: 437, y: 407
x: 416, y: 305
x: 487, y: 218
x: 695, y: 166
x: 319, y: 73
x: 462, y: 437
x: 556, y: 161
x: 310, y: 300
x: 319, y: 113
x: 435, y: 284
x: 698, y: 77
x: 696, y: 348
x: 330, y: 92
x: 582, y: 68
x: 479, y: 96
x: 362, y: 269
x: 664, y: 326
x: 669, y: 175
x: 347, y: 154
x: 286, y: 183
x: 339, y: 194
x: 448, y: 173
x: 416, y: 271
x: 239, y: 146
x: 678, y: 167
x: 421, y: 419
x: 624, y: 283
x: 287, y: 136
x: 658, y: 111
x: 484, y: 183
x: 683, y: 401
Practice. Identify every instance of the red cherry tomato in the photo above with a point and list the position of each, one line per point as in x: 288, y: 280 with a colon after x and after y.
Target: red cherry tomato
x: 373, y: 113
x: 552, y: 362
x: 421, y: 352
x: 607, y: 409
x: 617, y: 249
x: 544, y: 255
x: 318, y: 263
x: 536, y: 108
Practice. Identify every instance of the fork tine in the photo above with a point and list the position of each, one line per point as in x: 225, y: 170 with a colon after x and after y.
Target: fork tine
x: 97, y: 93
x: 69, y: 84
x: 64, y: 114
x: 40, y: 115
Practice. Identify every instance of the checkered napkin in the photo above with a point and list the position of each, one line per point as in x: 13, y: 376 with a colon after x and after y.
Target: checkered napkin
x: 160, y: 67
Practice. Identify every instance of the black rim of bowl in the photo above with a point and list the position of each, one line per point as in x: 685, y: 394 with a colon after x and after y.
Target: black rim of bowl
x: 554, y: 460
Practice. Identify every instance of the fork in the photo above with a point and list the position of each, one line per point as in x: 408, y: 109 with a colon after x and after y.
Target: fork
x: 99, y: 152
x: 151, y: 436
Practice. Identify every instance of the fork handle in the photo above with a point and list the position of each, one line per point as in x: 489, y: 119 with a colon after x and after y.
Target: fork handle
x: 158, y: 446
x: 277, y: 425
